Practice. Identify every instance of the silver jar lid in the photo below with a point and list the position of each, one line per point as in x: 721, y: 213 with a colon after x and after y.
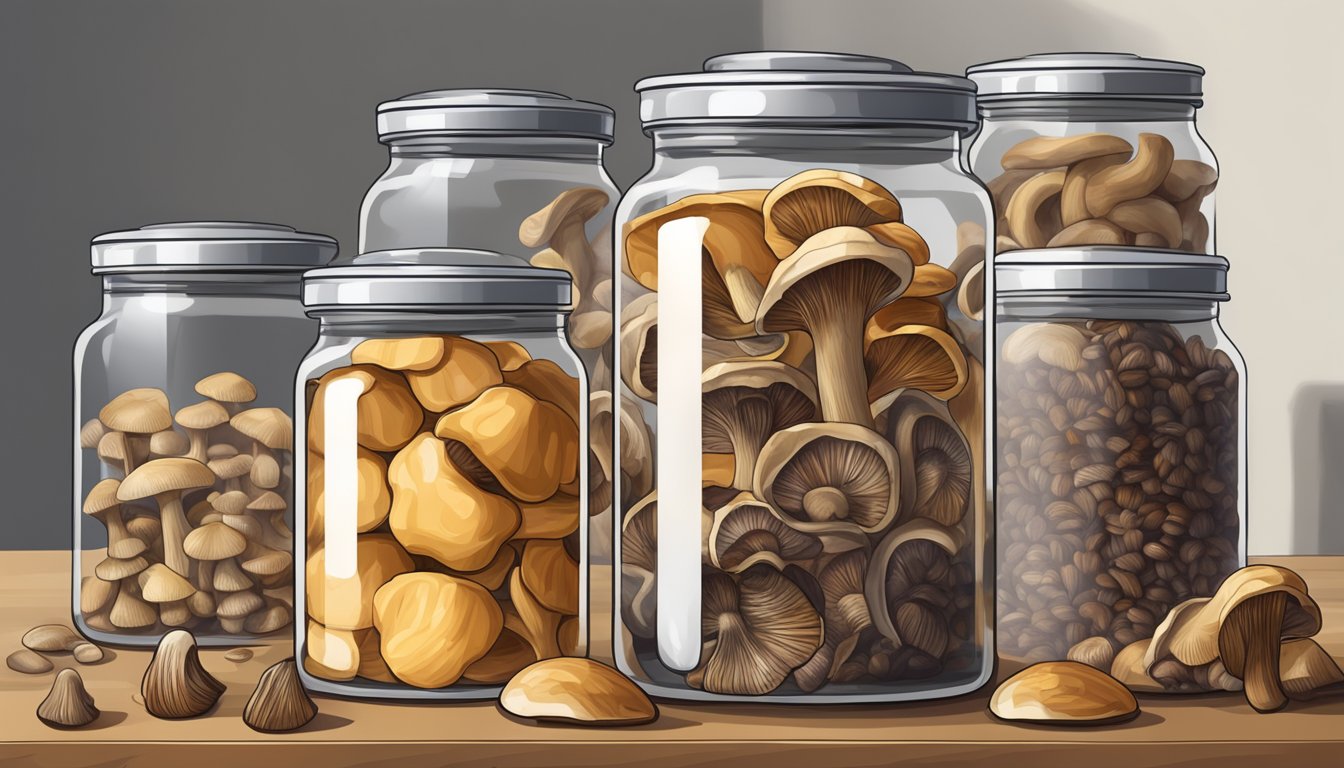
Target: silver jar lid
x: 1091, y: 75
x: 503, y: 111
x: 210, y: 246
x: 1112, y: 271
x: 441, y: 279
x: 802, y: 88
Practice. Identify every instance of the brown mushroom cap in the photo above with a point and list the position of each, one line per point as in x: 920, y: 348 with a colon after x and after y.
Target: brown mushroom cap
x: 816, y: 200
x: 639, y: 532
x: 139, y: 411
x: 906, y: 310
x: 746, y: 532
x: 416, y: 353
x: 271, y: 427
x: 639, y: 346
x: 829, y: 287
x: 747, y: 402
x: 830, y: 473
x: 467, y: 369
x: 931, y: 280
x: 937, y: 468
x: 386, y: 413
x: 915, y: 357
x: 102, y: 496
x: 227, y: 387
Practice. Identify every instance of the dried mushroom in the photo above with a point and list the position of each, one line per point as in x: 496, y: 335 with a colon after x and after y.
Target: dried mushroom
x: 175, y: 684
x: 433, y: 627
x: 532, y: 620
x: 102, y: 505
x: 746, y: 532
x: 68, y: 704
x: 816, y: 200
x: 415, y: 353
x: 344, y: 599
x: 164, y: 480
x: 560, y: 227
x: 913, y: 357
x: 937, y: 469
x: 911, y: 566
x: 510, y: 654
x: 577, y: 691
x: 745, y: 403
x: 331, y: 654
x: 639, y: 532
x: 639, y: 346
x: 846, y: 618
x: 466, y: 369
x: 546, y: 380
x: 1306, y: 670
x: 379, y: 403
x: 373, y: 498
x: 1063, y: 693
x: 279, y: 703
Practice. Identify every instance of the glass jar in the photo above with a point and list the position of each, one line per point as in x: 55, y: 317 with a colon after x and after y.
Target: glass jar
x: 802, y: 450
x: 1095, y: 149
x: 511, y: 171
x: 444, y: 418
x: 182, y: 453
x: 1122, y: 446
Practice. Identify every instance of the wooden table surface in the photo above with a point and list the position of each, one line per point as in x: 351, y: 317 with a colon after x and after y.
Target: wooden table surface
x: 1208, y: 730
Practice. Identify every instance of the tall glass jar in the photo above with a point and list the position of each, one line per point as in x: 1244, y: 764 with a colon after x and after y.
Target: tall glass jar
x: 803, y: 465
x: 1121, y: 429
x: 512, y: 171
x: 1095, y: 149
x: 182, y: 446
x: 444, y: 416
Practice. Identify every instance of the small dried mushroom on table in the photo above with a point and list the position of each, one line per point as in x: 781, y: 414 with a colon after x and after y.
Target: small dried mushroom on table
x: 1099, y: 189
x: 467, y: 500
x: 842, y: 429
x: 194, y: 503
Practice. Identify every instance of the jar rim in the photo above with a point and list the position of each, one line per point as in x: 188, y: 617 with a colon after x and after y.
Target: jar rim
x: 210, y: 246
x: 1111, y: 270
x: 493, y: 111
x: 1086, y: 74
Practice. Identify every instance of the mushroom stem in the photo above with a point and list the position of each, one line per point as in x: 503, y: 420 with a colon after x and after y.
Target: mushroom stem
x: 825, y: 504
x: 197, y: 445
x: 744, y: 290
x: 1255, y: 627
x: 175, y: 529
x: 842, y: 381
x: 117, y: 535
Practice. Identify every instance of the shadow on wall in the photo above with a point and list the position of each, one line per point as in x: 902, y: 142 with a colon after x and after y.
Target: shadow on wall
x: 1318, y: 457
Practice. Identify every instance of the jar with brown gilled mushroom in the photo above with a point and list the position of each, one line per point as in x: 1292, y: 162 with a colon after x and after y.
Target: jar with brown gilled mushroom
x: 444, y: 418
x: 1095, y: 149
x: 512, y: 171
x: 801, y: 446
x: 1121, y: 430
x: 183, y: 436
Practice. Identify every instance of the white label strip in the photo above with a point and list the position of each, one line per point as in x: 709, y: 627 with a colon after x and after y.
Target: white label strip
x: 680, y: 299
x: 340, y: 475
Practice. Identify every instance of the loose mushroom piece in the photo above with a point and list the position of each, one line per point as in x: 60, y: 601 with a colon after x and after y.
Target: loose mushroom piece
x: 385, y: 412
x: 747, y: 402
x: 279, y: 703
x: 746, y: 532
x: 165, y: 480
x: 198, y: 420
x: 68, y: 704
x: 102, y: 505
x: 577, y: 692
x: 530, y: 445
x: 416, y: 353
x: 467, y: 369
x: 757, y: 628
x: 228, y: 388
x: 639, y: 531
x: 639, y: 347
x: 1063, y: 693
x: 374, y: 497
x: 271, y: 430
x: 913, y: 357
x: 438, y: 511
x: 937, y: 469
x: 1306, y: 670
x: 908, y: 558
x: 175, y: 684
x: 433, y: 627
x: 816, y: 200
x: 830, y: 473
x: 829, y: 288
x: 345, y: 601
x: 51, y: 638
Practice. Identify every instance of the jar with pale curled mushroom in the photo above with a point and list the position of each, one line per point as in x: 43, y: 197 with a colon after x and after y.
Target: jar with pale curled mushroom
x: 1095, y: 149
x: 801, y: 443
x: 184, y: 467
x: 1121, y: 430
x: 444, y: 416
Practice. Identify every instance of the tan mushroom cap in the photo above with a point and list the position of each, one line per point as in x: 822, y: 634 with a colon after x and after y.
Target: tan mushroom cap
x: 268, y: 501
x: 915, y: 357
x: 165, y: 476
x: 117, y: 568
x: 92, y: 432
x: 937, y: 466
x: 416, y: 353
x: 129, y: 611
x: 227, y: 387
x: 113, y: 447
x: 168, y: 442
x: 232, y: 466
x: 746, y: 532
x: 346, y: 602
x: 931, y: 280
x: 161, y: 584
x: 432, y: 650
x: 228, y: 577
x: 102, y: 497
x: 639, y: 346
x: 747, y: 402
x: 546, y: 380
x: 387, y: 414
x: 576, y: 690
x: 554, y: 518
x: 237, y: 605
x: 230, y: 502
x: 214, y: 541
x: 268, y: 563
x: 1063, y: 692
x: 467, y: 369
x: 815, y: 200
x: 510, y: 354
x: 139, y: 411
x: 271, y: 427
x: 203, y: 415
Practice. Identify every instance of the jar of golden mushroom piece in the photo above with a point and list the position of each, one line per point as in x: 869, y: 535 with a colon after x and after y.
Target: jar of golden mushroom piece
x: 183, y: 453
x: 1121, y: 429
x: 444, y: 414
x: 1095, y: 149
x: 801, y: 444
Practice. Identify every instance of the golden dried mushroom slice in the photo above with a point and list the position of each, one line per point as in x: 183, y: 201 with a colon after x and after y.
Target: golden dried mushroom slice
x: 577, y: 691
x: 418, y: 353
x: 546, y: 380
x: 1063, y: 693
x: 373, y: 498
x: 344, y: 600
x: 467, y: 368
x: 433, y: 627
x: 385, y: 413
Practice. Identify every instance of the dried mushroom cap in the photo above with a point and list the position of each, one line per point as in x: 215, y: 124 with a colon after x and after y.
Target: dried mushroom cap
x: 272, y: 618
x: 529, y: 445
x: 231, y: 467
x: 433, y: 627
x: 92, y: 432
x: 175, y: 684
x: 910, y: 556
x: 906, y: 310
x: 467, y: 369
x: 139, y: 411
x: 829, y: 287
x: 757, y: 628
x: 1063, y: 693
x: 129, y: 611
x: 554, y: 518
x: 816, y: 200
x: 374, y: 496
x: 931, y: 280
x: 117, y: 568
x: 639, y: 346
x: 230, y: 503
x: 576, y: 691
x: 830, y: 473
x: 279, y: 702
x: 203, y: 415
x: 228, y: 577
x: 267, y: 501
x: 341, y: 601
x: 102, y: 504
x: 971, y: 294
x: 546, y: 380
x: 1054, y: 344
x: 937, y: 469
x: 913, y: 357
x: 114, y: 448
x: 271, y: 427
x: 331, y: 654
x: 578, y: 204
x: 438, y: 511
x: 237, y: 605
x: 417, y: 353
x: 746, y: 532
x: 510, y: 354
x: 68, y: 704
x: 268, y: 562
x: 639, y: 532
x: 161, y: 584
x: 227, y: 387
x: 1307, y: 670
x: 745, y: 403
x: 165, y: 480
x: 551, y: 575
x: 508, y: 656
x: 386, y: 412
x: 214, y: 541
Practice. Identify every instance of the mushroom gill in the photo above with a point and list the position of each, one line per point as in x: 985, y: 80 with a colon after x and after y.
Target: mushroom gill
x: 846, y: 618
x: 745, y: 403
x: 746, y: 532
x: 815, y: 200
x: 909, y: 560
x: 913, y: 357
x: 639, y: 532
x: 936, y: 465
x: 639, y: 346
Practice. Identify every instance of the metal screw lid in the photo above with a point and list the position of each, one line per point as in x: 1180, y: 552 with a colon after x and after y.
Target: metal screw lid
x: 1110, y: 270
x: 441, y: 279
x: 1093, y: 75
x: 804, y: 88
x: 502, y: 111
x: 210, y: 246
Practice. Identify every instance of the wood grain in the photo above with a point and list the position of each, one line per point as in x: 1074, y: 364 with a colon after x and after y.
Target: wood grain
x: 1209, y: 730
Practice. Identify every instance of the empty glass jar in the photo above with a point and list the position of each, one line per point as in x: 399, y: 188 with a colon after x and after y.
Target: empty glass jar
x: 183, y: 461
x: 445, y: 480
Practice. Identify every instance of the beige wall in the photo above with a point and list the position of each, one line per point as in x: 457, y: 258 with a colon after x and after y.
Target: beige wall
x: 1274, y: 103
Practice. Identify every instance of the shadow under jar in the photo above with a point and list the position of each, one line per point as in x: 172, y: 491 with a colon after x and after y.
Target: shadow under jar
x: 1122, y: 446
x: 801, y: 443
x: 183, y: 452
x: 445, y: 480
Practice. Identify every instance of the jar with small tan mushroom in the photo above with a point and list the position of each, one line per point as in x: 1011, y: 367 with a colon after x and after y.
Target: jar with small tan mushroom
x: 444, y: 421
x: 183, y: 449
x: 1095, y: 149
x: 801, y: 445
x: 1121, y: 431
x: 520, y: 172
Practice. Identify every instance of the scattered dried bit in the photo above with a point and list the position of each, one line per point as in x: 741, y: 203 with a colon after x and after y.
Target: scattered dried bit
x: 28, y: 662
x: 68, y: 705
x: 238, y: 655
x: 576, y: 690
x: 88, y: 653
x: 175, y: 684
x: 279, y: 703
x: 51, y: 638
x: 1063, y: 693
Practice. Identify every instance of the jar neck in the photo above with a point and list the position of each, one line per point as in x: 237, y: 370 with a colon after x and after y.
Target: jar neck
x: 1089, y: 110
x: 541, y: 148
x: 120, y: 287
x: 850, y: 145
x: 404, y: 323
x: 1184, y: 309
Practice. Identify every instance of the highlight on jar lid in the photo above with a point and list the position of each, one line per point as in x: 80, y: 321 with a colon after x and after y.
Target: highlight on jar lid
x: 1110, y: 270
x: 441, y: 279
x: 470, y: 111
x: 806, y: 88
x: 210, y: 246
x: 1095, y: 75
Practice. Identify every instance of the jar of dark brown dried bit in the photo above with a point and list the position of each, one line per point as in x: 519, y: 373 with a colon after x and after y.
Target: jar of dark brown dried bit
x: 1121, y: 446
